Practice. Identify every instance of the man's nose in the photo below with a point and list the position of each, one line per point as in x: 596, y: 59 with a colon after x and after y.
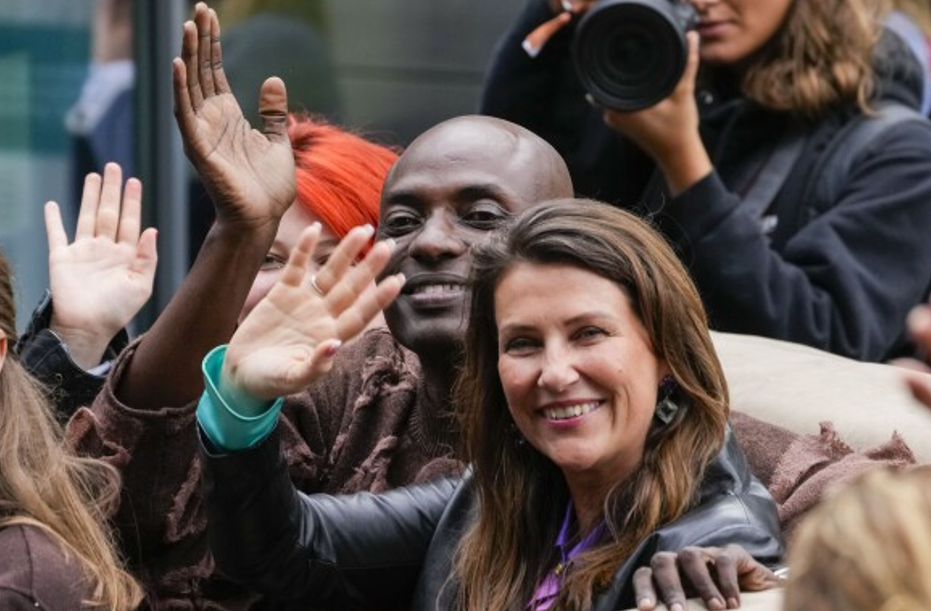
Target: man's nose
x: 438, y: 238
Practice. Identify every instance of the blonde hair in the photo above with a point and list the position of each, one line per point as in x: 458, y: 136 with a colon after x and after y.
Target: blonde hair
x: 522, y: 495
x: 821, y: 57
x: 43, y: 485
x: 866, y: 548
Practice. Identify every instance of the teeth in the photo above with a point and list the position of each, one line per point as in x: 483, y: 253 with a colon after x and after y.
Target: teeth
x: 436, y: 288
x: 573, y: 411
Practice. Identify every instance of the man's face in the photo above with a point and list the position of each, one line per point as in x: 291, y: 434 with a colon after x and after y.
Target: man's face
x: 450, y: 189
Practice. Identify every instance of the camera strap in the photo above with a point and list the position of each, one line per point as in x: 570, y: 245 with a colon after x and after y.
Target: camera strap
x: 772, y: 176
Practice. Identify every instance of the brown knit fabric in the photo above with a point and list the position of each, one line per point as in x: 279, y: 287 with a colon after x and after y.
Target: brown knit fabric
x: 35, y: 575
x: 359, y: 429
x: 799, y: 469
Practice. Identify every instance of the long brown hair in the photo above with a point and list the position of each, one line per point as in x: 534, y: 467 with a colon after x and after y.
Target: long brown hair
x: 821, y: 57
x: 45, y: 486
x: 866, y: 548
x: 522, y: 494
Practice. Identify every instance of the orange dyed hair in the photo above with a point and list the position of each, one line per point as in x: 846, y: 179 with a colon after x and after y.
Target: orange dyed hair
x: 339, y: 174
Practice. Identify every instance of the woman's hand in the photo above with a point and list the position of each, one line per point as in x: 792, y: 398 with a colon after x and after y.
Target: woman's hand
x: 249, y: 174
x: 102, y: 279
x: 289, y: 340
x: 668, y: 131
x: 717, y: 575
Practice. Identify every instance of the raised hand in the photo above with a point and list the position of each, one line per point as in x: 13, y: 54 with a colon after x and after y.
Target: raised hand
x: 288, y: 341
x: 717, y: 575
x: 249, y: 174
x: 919, y: 327
x: 103, y: 278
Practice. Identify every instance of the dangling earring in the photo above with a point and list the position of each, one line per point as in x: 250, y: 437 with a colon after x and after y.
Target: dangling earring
x: 666, y: 408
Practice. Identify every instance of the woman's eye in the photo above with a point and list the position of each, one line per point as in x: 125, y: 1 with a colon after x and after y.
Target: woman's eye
x: 590, y: 333
x: 519, y: 345
x: 272, y: 261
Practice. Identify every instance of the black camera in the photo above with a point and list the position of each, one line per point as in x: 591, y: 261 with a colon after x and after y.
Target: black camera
x: 630, y: 54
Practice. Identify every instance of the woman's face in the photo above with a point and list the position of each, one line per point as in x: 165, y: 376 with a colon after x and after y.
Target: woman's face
x: 293, y: 223
x: 577, y: 369
x: 733, y: 30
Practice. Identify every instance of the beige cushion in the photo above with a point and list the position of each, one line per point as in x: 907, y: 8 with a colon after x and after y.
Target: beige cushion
x: 767, y: 600
x: 798, y: 387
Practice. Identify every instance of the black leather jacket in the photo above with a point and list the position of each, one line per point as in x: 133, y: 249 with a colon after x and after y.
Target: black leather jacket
x: 394, y: 550
x: 44, y: 356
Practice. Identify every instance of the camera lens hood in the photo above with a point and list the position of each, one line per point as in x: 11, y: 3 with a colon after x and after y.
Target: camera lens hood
x: 630, y: 54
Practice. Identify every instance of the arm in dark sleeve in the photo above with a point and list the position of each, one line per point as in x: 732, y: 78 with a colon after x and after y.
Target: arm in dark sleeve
x: 845, y: 281
x: 541, y: 93
x: 359, y: 551
x: 46, y: 357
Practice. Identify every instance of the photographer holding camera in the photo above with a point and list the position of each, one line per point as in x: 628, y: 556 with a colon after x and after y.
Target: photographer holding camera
x: 773, y: 141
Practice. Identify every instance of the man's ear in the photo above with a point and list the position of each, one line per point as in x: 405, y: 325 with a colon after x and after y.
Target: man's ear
x: 3, y: 347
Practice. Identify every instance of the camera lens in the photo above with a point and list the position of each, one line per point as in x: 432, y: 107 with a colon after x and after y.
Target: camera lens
x: 630, y: 54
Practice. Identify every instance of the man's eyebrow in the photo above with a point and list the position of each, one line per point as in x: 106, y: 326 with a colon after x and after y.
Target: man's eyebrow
x: 473, y: 192
x: 404, y: 198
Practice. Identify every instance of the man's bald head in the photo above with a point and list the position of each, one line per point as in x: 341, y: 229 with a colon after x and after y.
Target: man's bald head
x: 521, y: 159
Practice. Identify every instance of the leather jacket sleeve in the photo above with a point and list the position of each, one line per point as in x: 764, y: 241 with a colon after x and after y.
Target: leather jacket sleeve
x: 47, y: 359
x: 360, y: 551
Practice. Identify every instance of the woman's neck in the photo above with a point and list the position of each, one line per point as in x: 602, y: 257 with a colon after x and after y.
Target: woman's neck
x: 588, y: 501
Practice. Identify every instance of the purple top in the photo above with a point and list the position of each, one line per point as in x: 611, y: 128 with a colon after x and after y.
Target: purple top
x: 546, y: 592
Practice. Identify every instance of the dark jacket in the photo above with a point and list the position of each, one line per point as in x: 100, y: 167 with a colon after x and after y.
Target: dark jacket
x: 394, y: 550
x: 35, y: 574
x: 842, y: 278
x: 43, y: 355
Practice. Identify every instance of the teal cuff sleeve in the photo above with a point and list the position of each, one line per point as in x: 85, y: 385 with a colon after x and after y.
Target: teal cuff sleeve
x: 225, y: 426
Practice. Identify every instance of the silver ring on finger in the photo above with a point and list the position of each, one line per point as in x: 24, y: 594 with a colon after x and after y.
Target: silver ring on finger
x: 316, y: 287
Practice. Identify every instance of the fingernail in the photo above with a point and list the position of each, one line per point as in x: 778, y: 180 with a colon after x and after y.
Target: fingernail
x: 529, y: 48
x: 333, y: 348
x: 391, y: 243
x: 401, y: 278
x: 676, y: 607
x: 715, y: 604
x: 368, y: 229
x: 733, y: 603
x: 645, y: 603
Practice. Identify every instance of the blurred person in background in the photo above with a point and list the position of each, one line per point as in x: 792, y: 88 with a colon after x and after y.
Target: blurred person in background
x: 867, y: 547
x: 751, y: 166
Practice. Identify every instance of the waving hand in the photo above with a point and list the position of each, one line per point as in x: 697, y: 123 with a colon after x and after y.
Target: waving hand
x: 288, y: 341
x: 103, y: 278
x: 249, y: 174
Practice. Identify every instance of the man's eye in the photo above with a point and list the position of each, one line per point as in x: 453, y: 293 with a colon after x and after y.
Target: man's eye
x: 401, y: 223
x: 486, y: 217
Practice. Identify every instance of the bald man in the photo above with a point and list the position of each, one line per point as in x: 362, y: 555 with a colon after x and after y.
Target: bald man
x: 382, y: 416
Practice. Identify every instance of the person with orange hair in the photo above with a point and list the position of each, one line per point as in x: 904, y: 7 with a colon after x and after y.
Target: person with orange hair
x: 339, y: 177
x: 69, y: 347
